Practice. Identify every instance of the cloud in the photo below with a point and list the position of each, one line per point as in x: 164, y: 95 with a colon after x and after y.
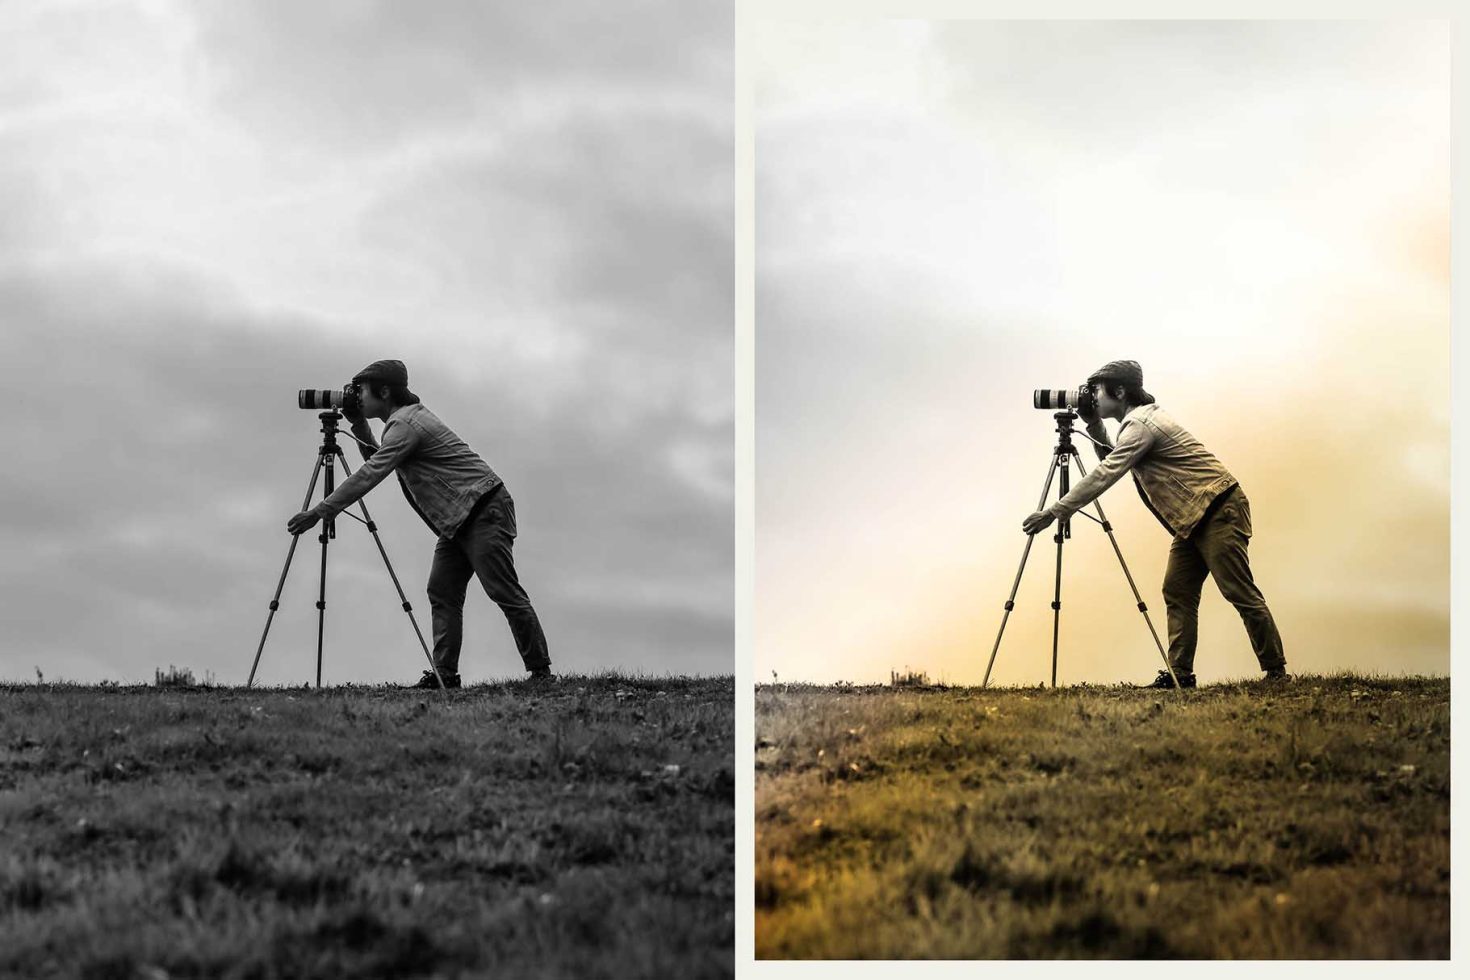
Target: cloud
x: 588, y: 272
x: 225, y: 203
x: 378, y: 72
x: 152, y: 475
x: 952, y: 214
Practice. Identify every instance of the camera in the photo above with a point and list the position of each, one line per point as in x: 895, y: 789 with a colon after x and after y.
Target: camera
x: 342, y: 400
x: 1077, y: 400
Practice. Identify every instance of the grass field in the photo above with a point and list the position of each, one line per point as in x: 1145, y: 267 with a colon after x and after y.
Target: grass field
x: 581, y: 830
x: 1235, y: 821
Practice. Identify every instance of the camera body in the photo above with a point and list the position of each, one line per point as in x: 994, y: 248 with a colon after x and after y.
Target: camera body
x: 342, y: 400
x: 1079, y: 400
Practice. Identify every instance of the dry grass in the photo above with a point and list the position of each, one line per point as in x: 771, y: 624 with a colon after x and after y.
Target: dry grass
x: 1235, y: 821
x: 368, y: 832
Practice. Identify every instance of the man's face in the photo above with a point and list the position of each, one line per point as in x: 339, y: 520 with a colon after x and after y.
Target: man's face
x: 1107, y: 406
x: 372, y: 405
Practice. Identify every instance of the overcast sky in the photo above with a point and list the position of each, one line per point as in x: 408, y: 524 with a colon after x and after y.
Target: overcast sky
x: 210, y: 205
x: 951, y: 214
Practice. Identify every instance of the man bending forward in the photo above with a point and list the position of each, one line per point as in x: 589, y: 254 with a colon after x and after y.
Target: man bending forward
x: 1194, y: 497
x: 461, y: 500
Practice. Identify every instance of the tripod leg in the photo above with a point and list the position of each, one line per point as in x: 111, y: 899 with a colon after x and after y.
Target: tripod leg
x: 407, y: 607
x: 329, y: 531
x: 276, y: 599
x: 1142, y: 607
x: 1051, y: 472
x: 1064, y: 531
x: 1056, y: 611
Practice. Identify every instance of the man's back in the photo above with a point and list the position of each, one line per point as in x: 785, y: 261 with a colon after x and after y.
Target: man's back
x: 1180, y: 476
x: 445, y: 476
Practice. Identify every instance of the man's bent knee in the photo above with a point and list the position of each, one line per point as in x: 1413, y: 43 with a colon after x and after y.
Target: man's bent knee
x: 1185, y: 599
x: 1244, y: 598
x: 448, y: 597
x: 514, y: 604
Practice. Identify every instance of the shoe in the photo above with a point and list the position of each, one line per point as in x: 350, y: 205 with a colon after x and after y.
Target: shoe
x: 1276, y: 675
x: 427, y: 681
x: 541, y: 674
x: 1186, y: 679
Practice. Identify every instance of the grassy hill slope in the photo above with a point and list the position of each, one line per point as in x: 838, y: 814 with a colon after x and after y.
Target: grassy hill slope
x: 1235, y: 821
x: 582, y: 830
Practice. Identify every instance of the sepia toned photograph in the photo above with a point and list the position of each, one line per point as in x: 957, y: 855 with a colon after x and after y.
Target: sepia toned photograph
x: 1102, y: 550
x: 366, y: 533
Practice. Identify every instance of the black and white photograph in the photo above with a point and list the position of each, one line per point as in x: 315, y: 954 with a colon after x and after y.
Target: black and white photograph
x: 366, y: 528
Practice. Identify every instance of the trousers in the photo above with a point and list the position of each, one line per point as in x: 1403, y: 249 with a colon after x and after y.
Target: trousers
x: 482, y: 548
x: 1217, y: 546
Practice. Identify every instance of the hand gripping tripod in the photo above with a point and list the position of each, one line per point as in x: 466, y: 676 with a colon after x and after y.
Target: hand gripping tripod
x: 327, y: 455
x: 1062, y: 456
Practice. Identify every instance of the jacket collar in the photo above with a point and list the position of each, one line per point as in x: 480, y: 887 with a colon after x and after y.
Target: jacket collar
x: 399, y: 412
x: 1137, y: 413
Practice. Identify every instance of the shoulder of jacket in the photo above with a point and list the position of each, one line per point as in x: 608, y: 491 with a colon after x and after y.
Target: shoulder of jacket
x: 1144, y: 423
x: 406, y: 420
x: 1150, y: 415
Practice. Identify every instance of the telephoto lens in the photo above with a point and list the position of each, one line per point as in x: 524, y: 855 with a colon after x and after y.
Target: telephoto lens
x: 327, y: 399
x: 1077, y: 400
x: 1060, y: 399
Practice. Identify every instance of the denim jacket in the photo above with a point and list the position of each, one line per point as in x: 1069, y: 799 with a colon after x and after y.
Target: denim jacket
x: 1177, y: 476
x: 443, y: 477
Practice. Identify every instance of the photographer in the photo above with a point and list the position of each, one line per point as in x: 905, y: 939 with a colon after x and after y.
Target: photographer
x: 458, y: 496
x: 1197, y: 501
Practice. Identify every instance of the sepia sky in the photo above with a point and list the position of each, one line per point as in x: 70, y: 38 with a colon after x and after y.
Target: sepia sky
x: 951, y: 214
x: 210, y: 205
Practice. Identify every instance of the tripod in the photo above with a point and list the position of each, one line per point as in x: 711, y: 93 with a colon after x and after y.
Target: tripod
x: 327, y: 455
x: 1062, y: 456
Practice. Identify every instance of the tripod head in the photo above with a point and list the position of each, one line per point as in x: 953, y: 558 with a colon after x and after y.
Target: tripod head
x: 1063, y: 453
x: 1064, y: 429
x: 330, y: 429
x: 329, y: 451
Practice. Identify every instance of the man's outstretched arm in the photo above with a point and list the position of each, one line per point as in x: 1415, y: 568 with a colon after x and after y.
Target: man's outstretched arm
x: 367, y: 444
x: 1133, y: 441
x: 399, y: 442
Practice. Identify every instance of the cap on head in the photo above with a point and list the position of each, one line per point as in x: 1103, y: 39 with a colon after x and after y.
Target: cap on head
x: 387, y: 372
x: 1123, y: 372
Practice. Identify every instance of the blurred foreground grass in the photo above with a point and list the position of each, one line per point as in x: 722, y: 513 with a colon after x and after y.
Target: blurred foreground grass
x: 581, y: 830
x: 1235, y: 821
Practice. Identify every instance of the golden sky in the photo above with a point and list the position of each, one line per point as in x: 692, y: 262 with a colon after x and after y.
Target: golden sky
x: 951, y: 214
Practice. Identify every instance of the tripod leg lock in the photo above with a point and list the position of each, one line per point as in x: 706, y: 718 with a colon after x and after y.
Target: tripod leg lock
x: 408, y: 607
x: 275, y: 605
x: 320, y: 604
x: 1143, y: 607
x: 1010, y: 605
x: 1107, y: 525
x: 372, y: 526
x: 1056, y: 605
